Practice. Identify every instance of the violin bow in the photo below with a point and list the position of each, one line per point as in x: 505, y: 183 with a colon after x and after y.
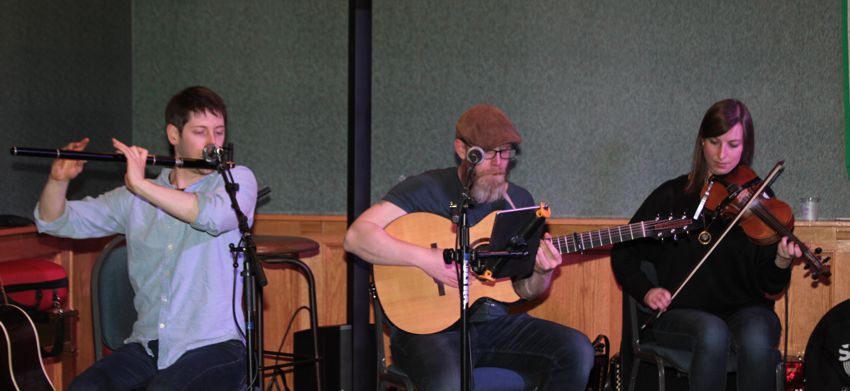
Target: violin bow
x: 774, y: 173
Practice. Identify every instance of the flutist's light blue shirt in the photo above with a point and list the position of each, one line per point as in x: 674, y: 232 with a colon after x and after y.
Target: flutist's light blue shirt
x: 182, y: 274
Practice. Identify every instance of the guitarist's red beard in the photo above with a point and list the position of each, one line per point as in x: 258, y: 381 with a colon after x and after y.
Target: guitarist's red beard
x: 489, y: 187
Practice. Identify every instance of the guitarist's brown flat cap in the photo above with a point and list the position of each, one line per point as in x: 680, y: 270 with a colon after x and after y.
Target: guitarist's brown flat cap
x: 486, y: 126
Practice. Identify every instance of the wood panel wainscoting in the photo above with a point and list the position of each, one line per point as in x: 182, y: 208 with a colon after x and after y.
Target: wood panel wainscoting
x: 584, y: 294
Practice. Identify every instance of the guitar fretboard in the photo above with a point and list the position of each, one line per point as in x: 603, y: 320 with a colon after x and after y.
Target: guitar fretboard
x: 578, y: 242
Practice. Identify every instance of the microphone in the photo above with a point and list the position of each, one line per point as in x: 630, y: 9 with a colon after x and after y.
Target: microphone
x: 474, y: 155
x: 212, y: 153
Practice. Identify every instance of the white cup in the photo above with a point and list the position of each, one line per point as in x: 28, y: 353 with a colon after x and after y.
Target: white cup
x: 809, y: 208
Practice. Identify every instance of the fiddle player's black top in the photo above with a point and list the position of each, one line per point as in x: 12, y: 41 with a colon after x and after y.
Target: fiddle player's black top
x: 738, y: 273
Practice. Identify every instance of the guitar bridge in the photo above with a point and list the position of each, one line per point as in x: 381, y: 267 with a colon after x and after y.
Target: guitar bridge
x: 441, y: 288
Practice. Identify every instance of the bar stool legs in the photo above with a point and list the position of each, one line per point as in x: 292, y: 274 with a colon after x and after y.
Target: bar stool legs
x: 314, y: 324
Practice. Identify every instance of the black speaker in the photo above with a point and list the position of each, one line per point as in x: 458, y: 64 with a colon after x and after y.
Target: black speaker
x: 336, y: 364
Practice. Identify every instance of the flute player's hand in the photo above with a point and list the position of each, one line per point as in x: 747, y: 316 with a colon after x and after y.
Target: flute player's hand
x: 64, y: 170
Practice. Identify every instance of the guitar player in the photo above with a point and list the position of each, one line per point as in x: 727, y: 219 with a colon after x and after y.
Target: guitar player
x: 548, y: 356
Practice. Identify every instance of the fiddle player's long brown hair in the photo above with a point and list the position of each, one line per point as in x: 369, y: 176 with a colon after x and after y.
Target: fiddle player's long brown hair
x: 719, y: 118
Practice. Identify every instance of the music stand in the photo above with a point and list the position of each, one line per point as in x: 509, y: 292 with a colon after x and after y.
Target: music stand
x: 513, y: 244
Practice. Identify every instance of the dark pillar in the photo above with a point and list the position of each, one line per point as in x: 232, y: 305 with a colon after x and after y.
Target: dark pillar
x: 359, y: 184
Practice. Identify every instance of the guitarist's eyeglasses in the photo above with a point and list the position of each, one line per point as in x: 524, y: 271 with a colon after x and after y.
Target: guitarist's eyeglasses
x: 505, y: 154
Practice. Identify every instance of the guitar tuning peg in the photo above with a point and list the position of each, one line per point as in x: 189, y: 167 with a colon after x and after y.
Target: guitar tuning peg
x: 818, y: 250
x: 675, y: 237
x: 657, y: 217
x: 806, y: 267
x: 825, y: 260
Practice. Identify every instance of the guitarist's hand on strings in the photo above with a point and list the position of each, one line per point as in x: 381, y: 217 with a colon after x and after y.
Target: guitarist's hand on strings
x: 546, y: 260
x: 435, y: 267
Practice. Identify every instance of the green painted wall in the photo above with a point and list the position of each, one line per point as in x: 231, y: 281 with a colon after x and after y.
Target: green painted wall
x: 281, y: 66
x: 64, y: 75
x: 608, y: 94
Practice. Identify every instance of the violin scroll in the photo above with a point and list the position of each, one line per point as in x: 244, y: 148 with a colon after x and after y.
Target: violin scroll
x: 823, y: 272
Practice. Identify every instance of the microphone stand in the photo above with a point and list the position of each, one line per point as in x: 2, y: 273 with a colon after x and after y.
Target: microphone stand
x: 253, y: 277
x: 462, y: 254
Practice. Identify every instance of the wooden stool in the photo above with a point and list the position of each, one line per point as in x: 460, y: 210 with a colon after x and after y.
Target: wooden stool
x: 287, y: 251
x: 269, y: 247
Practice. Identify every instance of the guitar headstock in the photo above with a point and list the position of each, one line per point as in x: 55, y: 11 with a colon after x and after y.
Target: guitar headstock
x: 662, y: 228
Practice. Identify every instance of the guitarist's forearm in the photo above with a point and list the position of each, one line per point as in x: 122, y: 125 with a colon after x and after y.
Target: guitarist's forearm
x: 363, y: 239
x: 371, y: 243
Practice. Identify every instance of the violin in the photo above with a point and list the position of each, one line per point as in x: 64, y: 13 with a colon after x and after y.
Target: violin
x: 766, y: 221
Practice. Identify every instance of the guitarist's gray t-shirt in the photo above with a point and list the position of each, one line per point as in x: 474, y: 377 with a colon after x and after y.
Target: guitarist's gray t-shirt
x: 433, y: 192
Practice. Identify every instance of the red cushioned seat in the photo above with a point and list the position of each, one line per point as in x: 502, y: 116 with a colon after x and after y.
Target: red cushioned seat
x: 34, y: 284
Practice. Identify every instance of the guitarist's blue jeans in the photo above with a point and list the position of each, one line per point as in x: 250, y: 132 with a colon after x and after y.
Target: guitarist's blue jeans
x: 548, y: 356
x: 219, y: 366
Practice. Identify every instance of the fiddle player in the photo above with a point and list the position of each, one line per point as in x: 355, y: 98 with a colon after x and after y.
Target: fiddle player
x: 187, y: 335
x: 728, y: 304
x: 548, y: 356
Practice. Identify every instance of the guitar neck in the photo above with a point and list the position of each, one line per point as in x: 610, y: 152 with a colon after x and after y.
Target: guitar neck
x: 578, y: 242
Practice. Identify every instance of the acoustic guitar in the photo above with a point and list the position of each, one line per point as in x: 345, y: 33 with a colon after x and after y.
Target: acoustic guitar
x: 21, y: 366
x: 416, y: 303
